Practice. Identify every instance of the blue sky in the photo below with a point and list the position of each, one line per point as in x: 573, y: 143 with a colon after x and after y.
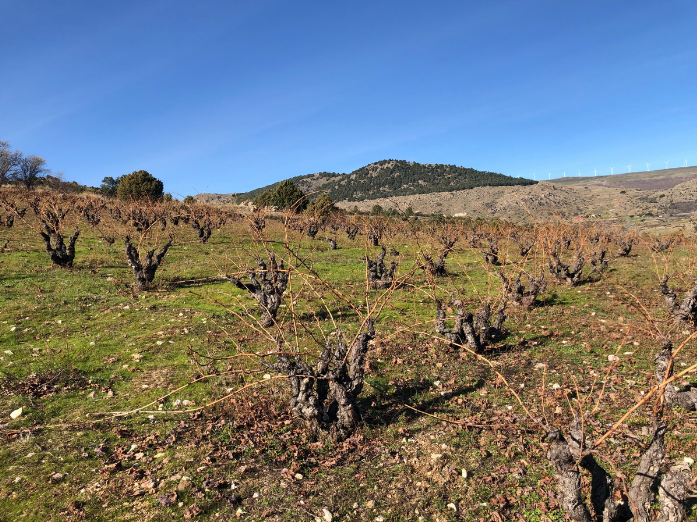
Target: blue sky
x: 228, y: 96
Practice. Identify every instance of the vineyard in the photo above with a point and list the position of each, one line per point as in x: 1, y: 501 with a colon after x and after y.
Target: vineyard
x: 172, y: 361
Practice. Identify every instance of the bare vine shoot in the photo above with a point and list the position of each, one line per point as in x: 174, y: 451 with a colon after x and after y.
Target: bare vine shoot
x: 167, y: 360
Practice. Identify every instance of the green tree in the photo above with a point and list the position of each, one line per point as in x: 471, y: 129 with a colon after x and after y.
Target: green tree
x: 110, y: 186
x: 377, y: 210
x: 321, y: 206
x: 139, y: 185
x: 288, y: 196
x: 265, y: 199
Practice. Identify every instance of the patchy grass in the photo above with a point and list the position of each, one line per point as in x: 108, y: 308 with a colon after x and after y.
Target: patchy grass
x: 79, y: 344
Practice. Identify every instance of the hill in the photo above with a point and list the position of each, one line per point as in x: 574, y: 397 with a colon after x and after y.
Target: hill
x: 655, y: 199
x: 652, y: 180
x: 389, y: 178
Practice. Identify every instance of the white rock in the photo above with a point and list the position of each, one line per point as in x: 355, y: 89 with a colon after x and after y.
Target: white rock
x: 452, y: 506
x: 13, y: 329
x: 540, y: 366
x: 555, y: 386
x: 327, y: 515
x: 159, y: 343
x: 9, y: 352
x: 298, y: 476
x: 689, y: 461
x: 16, y: 413
x: 612, y: 358
x: 267, y: 376
x: 464, y: 473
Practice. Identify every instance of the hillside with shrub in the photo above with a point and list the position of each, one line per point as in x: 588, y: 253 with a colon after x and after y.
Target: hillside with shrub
x: 394, y: 178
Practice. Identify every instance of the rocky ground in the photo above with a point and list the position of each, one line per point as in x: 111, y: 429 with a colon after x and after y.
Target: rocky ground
x: 661, y: 199
x: 671, y: 204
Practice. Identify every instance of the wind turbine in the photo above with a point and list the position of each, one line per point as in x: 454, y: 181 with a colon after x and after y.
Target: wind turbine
x: 534, y: 176
x: 564, y: 173
x: 612, y: 170
x: 647, y: 167
x: 629, y: 167
x: 579, y: 173
x: 666, y: 162
x: 685, y: 164
x: 595, y: 172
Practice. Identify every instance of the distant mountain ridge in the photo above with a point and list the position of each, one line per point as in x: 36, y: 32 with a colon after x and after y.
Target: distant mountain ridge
x: 389, y: 178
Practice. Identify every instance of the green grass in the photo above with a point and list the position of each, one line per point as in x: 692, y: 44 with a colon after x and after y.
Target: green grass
x: 109, y: 349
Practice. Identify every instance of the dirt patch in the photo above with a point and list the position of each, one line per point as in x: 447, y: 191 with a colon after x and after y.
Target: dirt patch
x: 45, y: 384
x: 161, y: 378
x: 657, y: 183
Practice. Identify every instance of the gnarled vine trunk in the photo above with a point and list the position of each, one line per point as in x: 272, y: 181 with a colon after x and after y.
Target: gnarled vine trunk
x: 685, y: 311
x: 518, y: 295
x: 267, y: 287
x: 569, y: 274
x: 380, y: 277
x: 686, y: 399
x: 568, y: 462
x: 325, y: 397
x: 144, y: 270
x: 471, y: 330
x: 61, y: 254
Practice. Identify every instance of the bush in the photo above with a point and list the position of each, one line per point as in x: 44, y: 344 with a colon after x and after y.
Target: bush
x: 321, y: 207
x: 288, y: 196
x: 110, y: 186
x: 263, y: 200
x: 139, y: 185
